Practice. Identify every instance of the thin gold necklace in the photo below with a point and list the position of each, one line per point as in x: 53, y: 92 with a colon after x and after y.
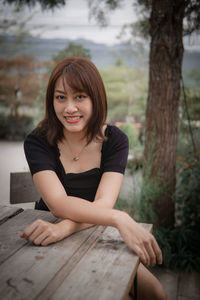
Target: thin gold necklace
x: 75, y: 158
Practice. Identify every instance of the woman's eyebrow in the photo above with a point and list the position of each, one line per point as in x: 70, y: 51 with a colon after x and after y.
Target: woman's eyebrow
x: 79, y: 91
x: 59, y: 91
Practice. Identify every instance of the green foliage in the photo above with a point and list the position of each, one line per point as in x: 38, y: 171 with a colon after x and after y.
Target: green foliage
x: 15, y: 129
x: 122, y: 204
x: 126, y: 90
x: 192, y: 16
x: 39, y: 104
x: 72, y: 50
x: 151, y: 192
x: 136, y: 162
x: 45, y: 4
x: 131, y: 132
x: 192, y: 91
x: 194, y: 75
x: 180, y: 247
x: 187, y: 195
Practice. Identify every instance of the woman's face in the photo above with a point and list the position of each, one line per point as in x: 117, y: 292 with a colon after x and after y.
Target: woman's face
x: 73, y: 108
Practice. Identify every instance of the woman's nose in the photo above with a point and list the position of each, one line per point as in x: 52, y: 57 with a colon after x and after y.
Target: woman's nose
x: 71, y: 107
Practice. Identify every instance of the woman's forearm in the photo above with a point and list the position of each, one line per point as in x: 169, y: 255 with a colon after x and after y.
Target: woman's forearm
x: 82, y: 211
x: 69, y: 207
x: 68, y: 227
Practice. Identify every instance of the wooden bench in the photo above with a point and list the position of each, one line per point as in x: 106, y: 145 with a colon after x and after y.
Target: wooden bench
x: 22, y: 188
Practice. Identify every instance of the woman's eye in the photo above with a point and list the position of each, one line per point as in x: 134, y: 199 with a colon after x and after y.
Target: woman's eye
x: 60, y: 97
x: 80, y: 97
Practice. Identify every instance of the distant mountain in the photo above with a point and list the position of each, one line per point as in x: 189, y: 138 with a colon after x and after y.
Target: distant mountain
x: 102, y: 55
x: 44, y: 49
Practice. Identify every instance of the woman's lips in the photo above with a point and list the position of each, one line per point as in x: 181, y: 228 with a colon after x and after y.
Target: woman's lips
x: 72, y: 119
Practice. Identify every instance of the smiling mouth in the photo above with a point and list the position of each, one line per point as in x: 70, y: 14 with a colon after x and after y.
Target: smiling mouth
x: 72, y: 119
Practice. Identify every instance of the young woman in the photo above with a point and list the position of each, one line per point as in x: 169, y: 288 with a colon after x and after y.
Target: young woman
x: 78, y: 161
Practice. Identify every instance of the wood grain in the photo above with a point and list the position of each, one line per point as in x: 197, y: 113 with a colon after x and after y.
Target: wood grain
x: 91, y: 264
x: 7, y: 212
x: 22, y: 188
x: 10, y: 241
x: 106, y: 271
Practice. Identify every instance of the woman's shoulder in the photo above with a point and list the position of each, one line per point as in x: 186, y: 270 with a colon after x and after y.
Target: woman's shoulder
x: 114, y: 150
x: 116, y: 139
x: 39, y: 154
x: 113, y: 132
x: 36, y: 139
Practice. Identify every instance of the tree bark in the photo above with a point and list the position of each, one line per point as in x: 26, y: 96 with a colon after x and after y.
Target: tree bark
x: 166, y: 53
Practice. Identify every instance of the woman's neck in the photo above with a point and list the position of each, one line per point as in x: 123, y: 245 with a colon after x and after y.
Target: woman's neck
x: 75, y: 138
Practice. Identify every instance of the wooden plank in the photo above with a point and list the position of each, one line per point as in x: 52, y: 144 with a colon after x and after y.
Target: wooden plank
x: 189, y: 285
x: 22, y: 188
x: 187, y: 298
x: 10, y: 240
x: 66, y: 269
x: 106, y: 271
x: 27, y: 272
x: 7, y: 212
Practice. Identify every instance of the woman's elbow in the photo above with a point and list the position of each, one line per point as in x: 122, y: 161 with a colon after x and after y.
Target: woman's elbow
x: 57, y: 208
x: 59, y: 214
x: 55, y: 213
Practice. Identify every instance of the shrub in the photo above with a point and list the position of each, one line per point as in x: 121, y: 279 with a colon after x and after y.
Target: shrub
x: 180, y: 244
x: 131, y: 132
x: 15, y: 128
x: 187, y: 195
x: 180, y: 247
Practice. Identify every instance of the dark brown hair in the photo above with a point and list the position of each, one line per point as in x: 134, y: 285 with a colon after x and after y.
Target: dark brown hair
x: 79, y: 74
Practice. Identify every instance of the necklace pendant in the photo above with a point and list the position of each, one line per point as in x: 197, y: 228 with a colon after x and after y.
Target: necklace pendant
x: 76, y: 158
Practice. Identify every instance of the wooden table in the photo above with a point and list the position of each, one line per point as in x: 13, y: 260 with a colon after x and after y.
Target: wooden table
x: 89, y: 265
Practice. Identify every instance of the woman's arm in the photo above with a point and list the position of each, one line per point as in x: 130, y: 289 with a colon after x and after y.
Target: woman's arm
x: 69, y: 207
x: 105, y: 197
x: 81, y: 211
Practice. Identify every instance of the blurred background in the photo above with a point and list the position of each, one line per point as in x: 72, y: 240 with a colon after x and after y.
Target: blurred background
x: 35, y: 35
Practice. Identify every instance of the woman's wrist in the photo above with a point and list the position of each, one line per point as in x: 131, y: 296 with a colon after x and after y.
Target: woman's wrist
x: 68, y: 227
x: 117, y: 217
x: 65, y: 228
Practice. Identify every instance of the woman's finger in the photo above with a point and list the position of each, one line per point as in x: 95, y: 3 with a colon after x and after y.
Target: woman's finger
x: 146, y: 255
x: 36, y: 234
x: 141, y: 254
x: 41, y: 238
x: 29, y: 229
x: 48, y: 240
x: 152, y: 255
x: 157, y: 251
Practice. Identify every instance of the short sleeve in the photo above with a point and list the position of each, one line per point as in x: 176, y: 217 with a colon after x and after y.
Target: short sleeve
x: 115, y: 151
x: 39, y: 154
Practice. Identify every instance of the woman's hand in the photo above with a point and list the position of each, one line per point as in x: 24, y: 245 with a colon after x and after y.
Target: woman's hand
x: 44, y: 233
x: 139, y: 240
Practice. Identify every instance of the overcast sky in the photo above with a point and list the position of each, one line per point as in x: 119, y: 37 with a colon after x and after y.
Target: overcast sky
x: 72, y: 21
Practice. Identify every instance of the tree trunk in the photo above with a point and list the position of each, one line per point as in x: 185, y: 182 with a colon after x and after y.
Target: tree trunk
x: 166, y: 53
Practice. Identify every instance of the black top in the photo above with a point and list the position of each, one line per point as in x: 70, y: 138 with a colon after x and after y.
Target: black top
x: 42, y: 156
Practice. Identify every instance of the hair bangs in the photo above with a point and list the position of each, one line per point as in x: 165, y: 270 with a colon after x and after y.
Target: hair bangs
x: 74, y: 77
